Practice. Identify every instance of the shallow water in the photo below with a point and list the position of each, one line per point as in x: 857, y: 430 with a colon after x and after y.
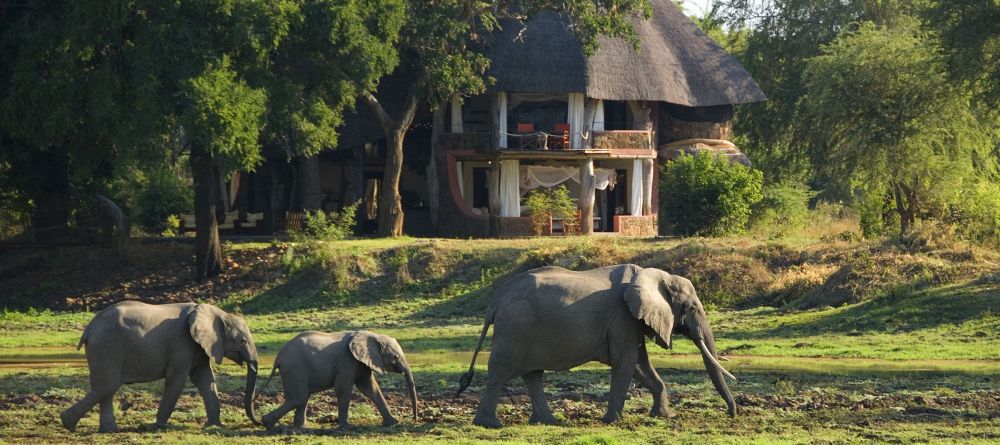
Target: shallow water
x: 53, y: 357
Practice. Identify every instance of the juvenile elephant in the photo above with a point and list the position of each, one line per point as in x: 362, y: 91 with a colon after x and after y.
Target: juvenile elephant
x: 555, y: 319
x: 315, y: 361
x: 133, y: 342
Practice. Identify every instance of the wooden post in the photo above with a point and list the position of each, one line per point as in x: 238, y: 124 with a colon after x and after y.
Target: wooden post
x: 495, y: 102
x: 586, y: 203
x: 647, y: 186
x: 494, y: 193
x: 433, y: 182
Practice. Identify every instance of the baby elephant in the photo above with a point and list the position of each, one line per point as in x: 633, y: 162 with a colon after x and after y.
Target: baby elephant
x: 314, y: 361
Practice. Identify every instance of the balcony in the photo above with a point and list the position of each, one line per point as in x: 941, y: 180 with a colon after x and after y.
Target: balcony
x: 596, y: 141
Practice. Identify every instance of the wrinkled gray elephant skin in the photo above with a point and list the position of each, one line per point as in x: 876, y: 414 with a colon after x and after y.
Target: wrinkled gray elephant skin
x: 555, y: 319
x: 133, y: 342
x: 316, y: 361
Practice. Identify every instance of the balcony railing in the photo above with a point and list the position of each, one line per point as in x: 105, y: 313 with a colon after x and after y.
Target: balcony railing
x: 596, y: 140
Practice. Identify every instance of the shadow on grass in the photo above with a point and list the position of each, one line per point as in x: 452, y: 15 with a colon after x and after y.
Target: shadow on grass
x: 898, y: 311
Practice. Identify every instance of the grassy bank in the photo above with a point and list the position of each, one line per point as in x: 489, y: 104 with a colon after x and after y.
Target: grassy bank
x: 837, y: 342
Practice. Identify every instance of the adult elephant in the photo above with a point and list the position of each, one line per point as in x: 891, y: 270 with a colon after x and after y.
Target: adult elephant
x: 555, y: 319
x: 133, y: 342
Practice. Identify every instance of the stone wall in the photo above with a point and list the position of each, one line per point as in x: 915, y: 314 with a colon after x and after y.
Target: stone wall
x: 607, y: 140
x: 643, y: 226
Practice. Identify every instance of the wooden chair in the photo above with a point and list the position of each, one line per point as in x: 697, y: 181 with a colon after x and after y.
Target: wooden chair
x: 251, y: 222
x: 563, y: 129
x: 527, y: 141
x: 293, y: 221
x: 187, y: 222
x: 229, y: 220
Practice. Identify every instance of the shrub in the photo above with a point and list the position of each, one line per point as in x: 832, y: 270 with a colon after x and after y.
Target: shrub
x: 544, y: 203
x: 707, y: 195
x: 783, y: 211
x: 317, y: 225
x: 150, y: 197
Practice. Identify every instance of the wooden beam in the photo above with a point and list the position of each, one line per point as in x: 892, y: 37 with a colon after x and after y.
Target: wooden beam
x: 586, y: 203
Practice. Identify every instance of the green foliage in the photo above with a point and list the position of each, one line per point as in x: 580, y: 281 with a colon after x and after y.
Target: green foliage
x: 885, y: 120
x: 546, y: 203
x: 970, y: 37
x: 708, y: 195
x: 783, y: 211
x: 224, y: 115
x: 317, y: 225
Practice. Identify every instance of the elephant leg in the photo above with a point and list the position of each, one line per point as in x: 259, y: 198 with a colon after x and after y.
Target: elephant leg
x: 343, y: 406
x: 647, y: 375
x: 104, y: 383
x: 369, y: 387
x: 296, y: 392
x: 621, y: 378
x: 300, y: 417
x: 270, y: 419
x: 486, y: 413
x: 204, y: 379
x: 108, y: 423
x: 172, y: 388
x: 540, y: 412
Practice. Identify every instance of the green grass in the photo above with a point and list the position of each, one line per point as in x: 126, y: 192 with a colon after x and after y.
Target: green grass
x: 907, y: 364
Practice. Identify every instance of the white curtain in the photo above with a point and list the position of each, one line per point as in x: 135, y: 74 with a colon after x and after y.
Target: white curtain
x: 461, y: 179
x: 534, y: 176
x: 598, y: 122
x: 510, y: 190
x: 575, y: 116
x: 456, y: 114
x: 503, y: 119
x: 635, y: 187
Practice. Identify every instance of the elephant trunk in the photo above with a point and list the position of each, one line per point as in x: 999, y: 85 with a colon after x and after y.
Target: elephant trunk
x: 412, y: 389
x: 250, y: 391
x: 718, y: 374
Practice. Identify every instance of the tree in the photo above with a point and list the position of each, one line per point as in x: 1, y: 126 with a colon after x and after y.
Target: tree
x: 889, y: 123
x: 773, y: 39
x: 970, y: 38
x: 435, y: 47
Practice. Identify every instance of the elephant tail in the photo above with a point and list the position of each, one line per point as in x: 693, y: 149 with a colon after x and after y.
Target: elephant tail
x: 83, y: 338
x: 466, y: 379
x: 274, y: 372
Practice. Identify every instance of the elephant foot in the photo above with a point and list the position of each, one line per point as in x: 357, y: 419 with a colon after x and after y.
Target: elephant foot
x: 344, y: 426
x: 487, y: 421
x: 107, y: 429
x: 68, y: 421
x: 390, y: 421
x: 545, y: 419
x: 611, y: 417
x: 268, y: 421
x: 211, y: 423
x: 660, y: 411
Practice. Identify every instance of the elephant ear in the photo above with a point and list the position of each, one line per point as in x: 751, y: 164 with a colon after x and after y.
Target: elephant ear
x: 646, y: 302
x: 207, y: 329
x: 366, y: 347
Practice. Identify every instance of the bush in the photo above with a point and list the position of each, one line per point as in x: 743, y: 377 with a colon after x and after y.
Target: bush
x: 317, y: 225
x: 707, y: 195
x: 150, y: 197
x: 784, y: 210
x: 544, y: 203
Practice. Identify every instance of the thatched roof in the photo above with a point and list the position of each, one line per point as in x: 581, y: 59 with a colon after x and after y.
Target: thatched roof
x: 676, y: 63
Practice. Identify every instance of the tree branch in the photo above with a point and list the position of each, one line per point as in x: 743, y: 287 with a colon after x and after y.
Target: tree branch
x: 383, y: 117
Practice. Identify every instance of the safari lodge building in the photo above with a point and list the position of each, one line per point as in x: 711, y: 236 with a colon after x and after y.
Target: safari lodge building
x: 598, y: 125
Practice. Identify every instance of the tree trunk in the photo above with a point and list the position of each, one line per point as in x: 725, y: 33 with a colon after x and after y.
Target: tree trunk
x: 906, y: 216
x: 586, y: 203
x: 48, y: 188
x: 310, y: 191
x: 207, y: 250
x: 390, y: 206
x: 433, y: 182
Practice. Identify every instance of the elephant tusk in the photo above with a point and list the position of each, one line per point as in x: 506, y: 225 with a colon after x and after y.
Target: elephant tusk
x: 711, y: 357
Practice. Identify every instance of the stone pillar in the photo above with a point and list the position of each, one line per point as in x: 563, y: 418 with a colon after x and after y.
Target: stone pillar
x: 586, y: 202
x: 647, y: 186
x: 494, y: 193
